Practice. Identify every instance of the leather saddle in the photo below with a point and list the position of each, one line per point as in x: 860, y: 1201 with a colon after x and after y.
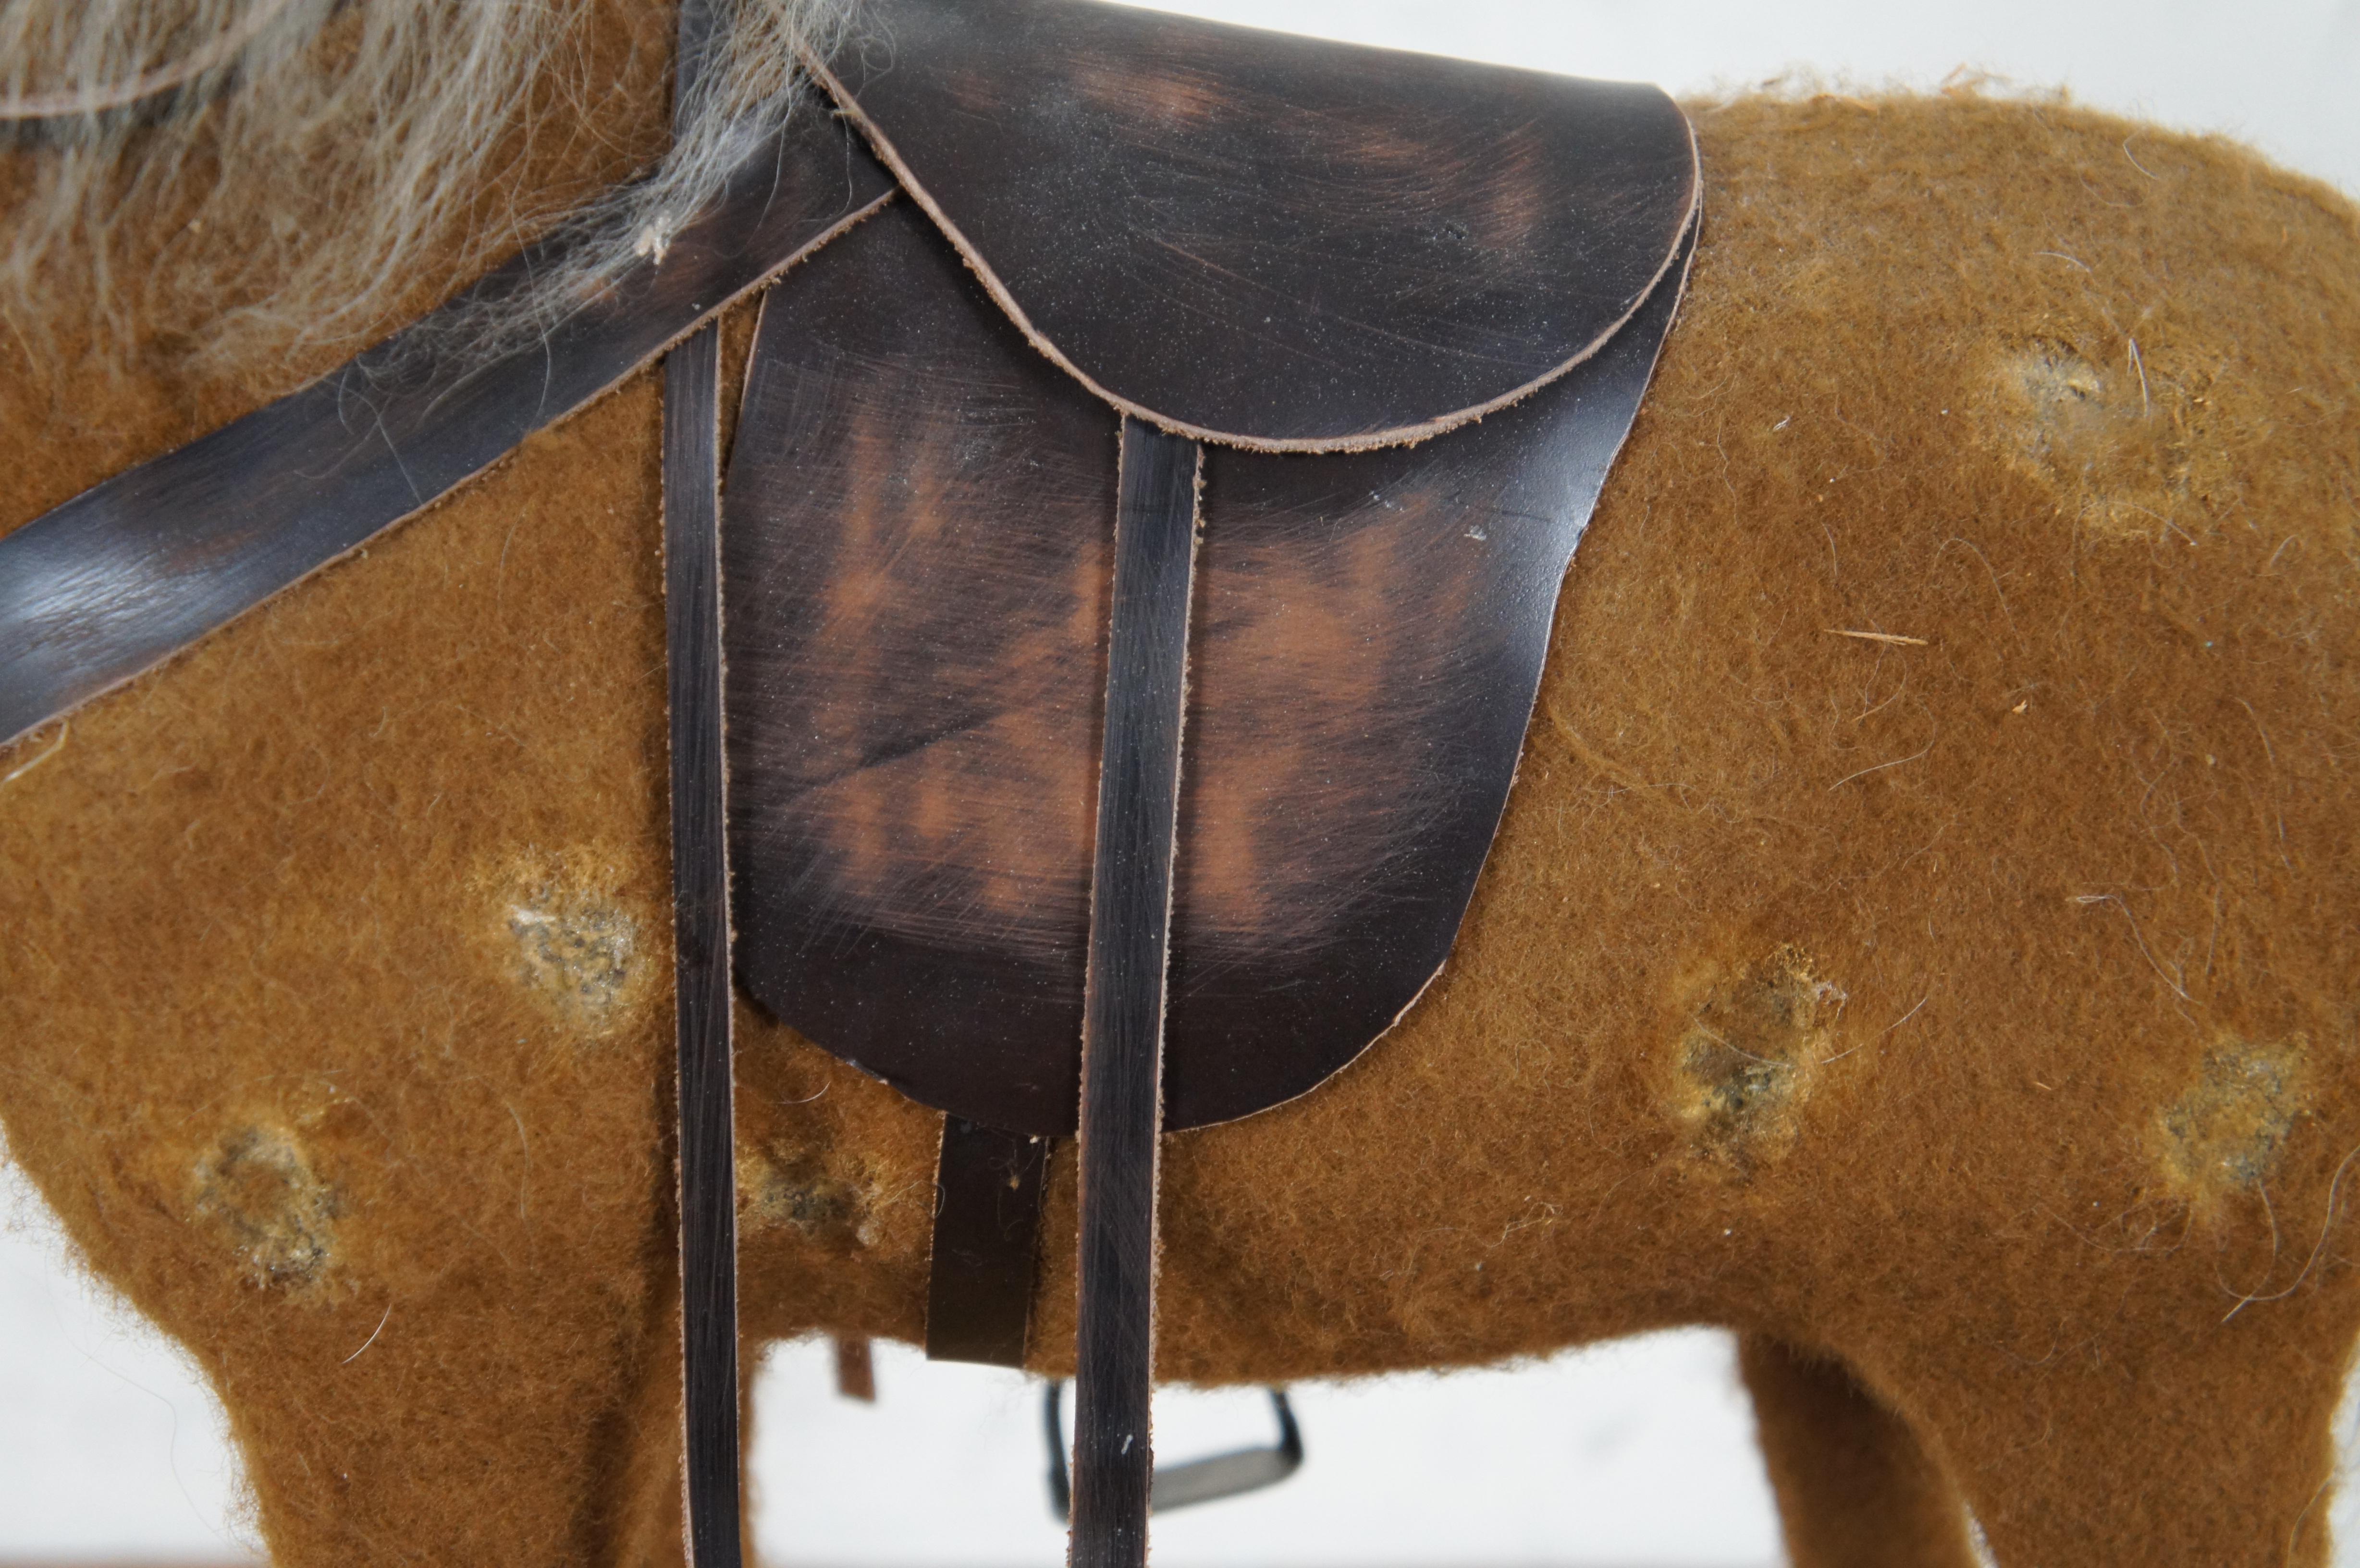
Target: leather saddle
x: 1139, y: 547
x: 1325, y: 266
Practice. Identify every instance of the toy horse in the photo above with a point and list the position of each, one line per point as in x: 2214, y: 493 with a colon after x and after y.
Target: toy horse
x: 1910, y: 940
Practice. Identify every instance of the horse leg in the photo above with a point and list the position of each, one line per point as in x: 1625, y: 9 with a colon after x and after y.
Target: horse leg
x: 336, y: 993
x: 1856, y: 1487
x: 2214, y: 1451
x: 516, y: 1400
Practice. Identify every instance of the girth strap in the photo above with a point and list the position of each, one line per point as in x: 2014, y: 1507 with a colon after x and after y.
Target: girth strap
x: 708, y: 1207
x: 700, y: 858
x: 1123, y: 1007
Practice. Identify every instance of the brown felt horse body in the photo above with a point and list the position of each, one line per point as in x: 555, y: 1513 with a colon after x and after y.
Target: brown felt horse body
x: 1921, y: 937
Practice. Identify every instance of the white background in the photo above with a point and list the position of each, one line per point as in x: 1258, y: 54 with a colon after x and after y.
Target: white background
x: 1634, y: 1453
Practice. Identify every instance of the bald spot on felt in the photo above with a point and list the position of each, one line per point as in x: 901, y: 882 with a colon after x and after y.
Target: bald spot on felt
x: 1845, y: 991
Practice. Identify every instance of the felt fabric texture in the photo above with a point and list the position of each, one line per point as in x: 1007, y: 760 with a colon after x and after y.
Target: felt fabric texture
x: 1855, y: 1486
x: 1921, y: 933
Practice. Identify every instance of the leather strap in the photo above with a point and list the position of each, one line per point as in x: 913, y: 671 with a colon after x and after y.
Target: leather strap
x: 987, y: 1225
x: 856, y: 1370
x: 1122, y: 1028
x: 708, y: 1205
x: 700, y: 858
x: 130, y: 571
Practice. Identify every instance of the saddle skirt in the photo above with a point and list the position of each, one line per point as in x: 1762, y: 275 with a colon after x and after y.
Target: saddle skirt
x: 1328, y: 265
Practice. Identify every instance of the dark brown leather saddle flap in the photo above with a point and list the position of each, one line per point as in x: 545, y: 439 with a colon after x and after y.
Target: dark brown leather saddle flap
x: 1269, y: 241
x: 1278, y: 246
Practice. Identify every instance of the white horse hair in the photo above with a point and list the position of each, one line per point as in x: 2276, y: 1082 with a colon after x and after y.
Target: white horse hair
x: 376, y: 136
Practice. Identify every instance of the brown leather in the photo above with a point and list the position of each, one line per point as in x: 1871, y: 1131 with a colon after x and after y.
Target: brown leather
x: 132, y: 570
x: 1272, y: 241
x: 856, y: 1370
x: 917, y: 548
x: 914, y: 678
x: 1157, y: 521
x: 987, y: 1225
x: 708, y: 1207
x: 711, y: 1461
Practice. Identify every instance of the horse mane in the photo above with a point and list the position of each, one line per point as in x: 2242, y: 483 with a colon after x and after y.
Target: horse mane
x: 244, y: 180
